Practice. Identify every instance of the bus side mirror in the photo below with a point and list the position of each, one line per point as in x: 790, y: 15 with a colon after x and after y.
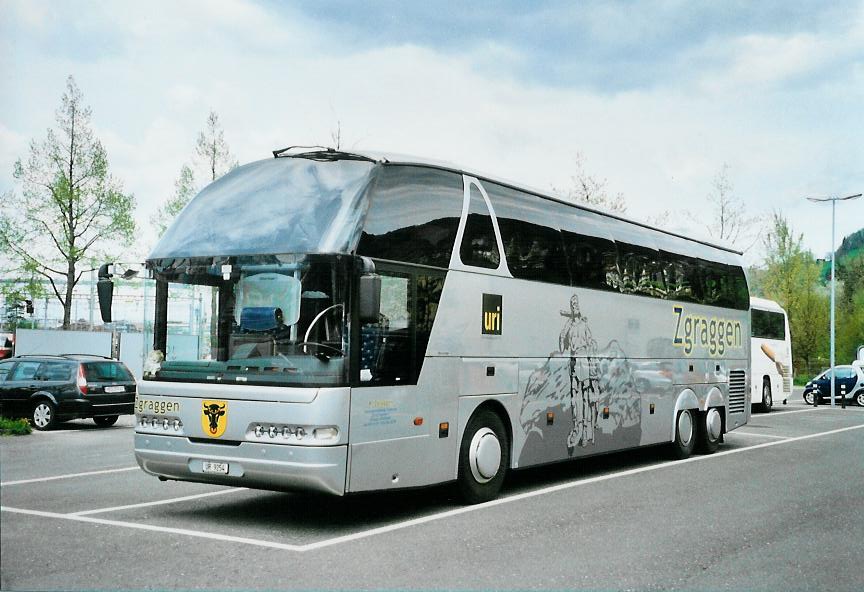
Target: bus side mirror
x: 105, y: 289
x: 370, y: 298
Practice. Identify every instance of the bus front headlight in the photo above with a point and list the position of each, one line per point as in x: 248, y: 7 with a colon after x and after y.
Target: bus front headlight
x: 328, y: 433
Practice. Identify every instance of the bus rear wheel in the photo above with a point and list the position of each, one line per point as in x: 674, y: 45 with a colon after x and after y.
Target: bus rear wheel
x: 685, y: 434
x: 484, y: 456
x: 710, y: 430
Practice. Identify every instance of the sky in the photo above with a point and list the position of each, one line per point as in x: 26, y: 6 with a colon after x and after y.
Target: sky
x: 655, y: 96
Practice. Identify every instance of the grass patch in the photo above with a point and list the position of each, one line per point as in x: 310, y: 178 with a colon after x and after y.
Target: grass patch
x: 14, y: 427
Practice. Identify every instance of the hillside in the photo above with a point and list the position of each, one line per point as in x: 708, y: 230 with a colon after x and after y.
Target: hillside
x: 851, y: 246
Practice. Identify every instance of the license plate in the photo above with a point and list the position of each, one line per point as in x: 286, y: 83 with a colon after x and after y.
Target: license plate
x: 219, y: 468
x: 115, y: 389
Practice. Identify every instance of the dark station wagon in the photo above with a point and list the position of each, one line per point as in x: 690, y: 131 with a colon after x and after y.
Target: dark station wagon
x: 50, y: 389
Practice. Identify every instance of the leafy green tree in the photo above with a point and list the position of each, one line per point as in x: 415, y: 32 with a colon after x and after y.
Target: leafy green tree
x: 15, y: 295
x: 212, y: 160
x: 71, y: 211
x: 791, y: 277
x: 184, y: 190
x: 850, y: 306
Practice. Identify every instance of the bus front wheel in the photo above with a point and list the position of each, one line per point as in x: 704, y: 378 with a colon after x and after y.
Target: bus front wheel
x: 484, y: 456
x: 767, y: 397
x: 685, y: 434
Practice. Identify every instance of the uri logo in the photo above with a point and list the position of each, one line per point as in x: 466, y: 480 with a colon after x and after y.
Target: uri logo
x: 214, y: 418
x: 492, y: 314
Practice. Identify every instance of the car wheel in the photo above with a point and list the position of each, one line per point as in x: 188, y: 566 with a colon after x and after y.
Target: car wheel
x: 859, y: 398
x: 808, y: 397
x: 710, y: 430
x: 104, y: 421
x: 483, y: 458
x: 44, y: 415
x: 685, y: 434
x: 767, y: 398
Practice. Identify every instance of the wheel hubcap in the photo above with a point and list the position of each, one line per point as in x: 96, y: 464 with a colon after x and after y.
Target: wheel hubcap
x: 714, y: 424
x: 484, y: 455
x: 42, y: 415
x: 766, y: 395
x: 685, y: 428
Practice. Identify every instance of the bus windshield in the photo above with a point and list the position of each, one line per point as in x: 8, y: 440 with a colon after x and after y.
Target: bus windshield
x: 269, y: 320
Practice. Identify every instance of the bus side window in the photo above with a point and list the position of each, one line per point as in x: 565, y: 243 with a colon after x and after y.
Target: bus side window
x: 413, y: 216
x: 479, y: 247
x: 532, y: 241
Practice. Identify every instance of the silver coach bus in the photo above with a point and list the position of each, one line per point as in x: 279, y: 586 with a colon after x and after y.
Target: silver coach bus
x: 383, y: 322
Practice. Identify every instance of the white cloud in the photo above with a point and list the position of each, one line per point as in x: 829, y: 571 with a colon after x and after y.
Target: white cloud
x: 280, y: 80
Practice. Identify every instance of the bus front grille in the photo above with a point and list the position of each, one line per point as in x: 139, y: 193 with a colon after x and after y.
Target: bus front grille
x: 737, y: 391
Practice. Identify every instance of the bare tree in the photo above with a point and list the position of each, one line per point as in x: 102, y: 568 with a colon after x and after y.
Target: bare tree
x: 336, y: 135
x: 213, y: 150
x: 70, y: 206
x: 728, y: 221
x: 591, y: 191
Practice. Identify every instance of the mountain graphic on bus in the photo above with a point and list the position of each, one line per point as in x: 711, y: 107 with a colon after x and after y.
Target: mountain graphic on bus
x: 593, y: 388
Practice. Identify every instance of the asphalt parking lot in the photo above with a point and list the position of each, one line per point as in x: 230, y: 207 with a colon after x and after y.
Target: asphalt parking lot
x: 779, y: 507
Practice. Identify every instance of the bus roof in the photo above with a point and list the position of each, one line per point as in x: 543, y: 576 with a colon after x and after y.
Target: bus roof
x: 765, y: 304
x: 385, y: 158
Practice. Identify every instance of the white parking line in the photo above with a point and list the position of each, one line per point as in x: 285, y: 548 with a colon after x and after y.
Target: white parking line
x: 163, y: 529
x: 159, y: 502
x: 554, y: 488
x: 738, y: 432
x: 69, y: 476
x: 781, y: 413
x: 424, y: 519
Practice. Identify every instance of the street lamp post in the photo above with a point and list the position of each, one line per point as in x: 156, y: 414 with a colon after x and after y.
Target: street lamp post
x: 833, y: 201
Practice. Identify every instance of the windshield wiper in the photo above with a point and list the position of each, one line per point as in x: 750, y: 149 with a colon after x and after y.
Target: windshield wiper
x: 320, y: 154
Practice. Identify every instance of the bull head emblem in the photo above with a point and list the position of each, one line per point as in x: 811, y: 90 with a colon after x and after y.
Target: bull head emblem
x: 212, y: 416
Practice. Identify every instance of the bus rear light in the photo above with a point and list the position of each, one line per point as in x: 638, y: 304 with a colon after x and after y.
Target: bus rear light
x: 418, y: 421
x: 82, y: 380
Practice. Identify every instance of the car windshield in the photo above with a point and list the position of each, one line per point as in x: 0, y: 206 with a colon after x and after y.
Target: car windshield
x: 270, y: 320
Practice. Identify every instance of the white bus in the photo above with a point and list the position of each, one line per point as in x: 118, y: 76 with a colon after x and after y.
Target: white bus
x: 771, y: 352
x: 385, y: 322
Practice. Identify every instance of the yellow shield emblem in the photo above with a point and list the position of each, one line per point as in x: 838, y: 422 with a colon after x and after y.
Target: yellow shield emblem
x: 214, y: 418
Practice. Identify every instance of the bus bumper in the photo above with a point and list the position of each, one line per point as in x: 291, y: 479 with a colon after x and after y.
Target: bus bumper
x: 250, y: 464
